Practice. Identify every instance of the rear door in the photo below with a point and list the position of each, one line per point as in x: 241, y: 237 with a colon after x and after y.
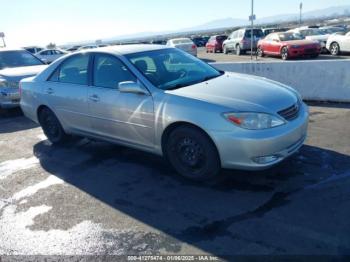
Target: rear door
x: 66, y: 92
x: 120, y: 116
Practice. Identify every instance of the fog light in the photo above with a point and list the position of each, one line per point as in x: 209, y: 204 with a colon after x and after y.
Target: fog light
x: 265, y: 159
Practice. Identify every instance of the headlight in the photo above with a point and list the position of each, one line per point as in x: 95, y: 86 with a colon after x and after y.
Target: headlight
x: 254, y: 121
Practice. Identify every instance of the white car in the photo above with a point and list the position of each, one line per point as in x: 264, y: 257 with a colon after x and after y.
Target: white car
x: 338, y: 43
x: 50, y: 55
x: 184, y: 44
x: 312, y: 34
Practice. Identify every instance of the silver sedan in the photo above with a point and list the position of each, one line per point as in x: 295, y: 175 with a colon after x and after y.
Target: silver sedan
x: 165, y: 101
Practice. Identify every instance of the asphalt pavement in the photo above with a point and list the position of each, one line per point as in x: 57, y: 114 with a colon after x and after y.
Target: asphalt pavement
x: 95, y: 198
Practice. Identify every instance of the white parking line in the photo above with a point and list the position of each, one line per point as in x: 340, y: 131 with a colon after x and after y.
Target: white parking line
x: 10, y: 167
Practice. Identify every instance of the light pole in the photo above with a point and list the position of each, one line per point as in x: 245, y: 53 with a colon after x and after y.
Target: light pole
x: 301, y: 11
x: 252, y: 18
x: 2, y: 35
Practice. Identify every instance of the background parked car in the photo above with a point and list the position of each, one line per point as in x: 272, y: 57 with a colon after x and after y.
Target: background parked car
x: 338, y: 43
x: 184, y: 44
x: 268, y: 31
x: 86, y: 47
x: 73, y: 48
x: 332, y: 29
x: 33, y: 49
x: 50, y: 55
x: 15, y: 64
x: 198, y: 41
x: 240, y: 41
x: 215, y: 43
x: 288, y: 45
x: 312, y: 34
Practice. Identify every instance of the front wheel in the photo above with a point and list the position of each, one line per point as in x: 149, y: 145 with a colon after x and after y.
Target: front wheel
x: 52, y: 127
x: 284, y: 53
x: 260, y: 52
x: 238, y: 50
x: 225, y: 50
x: 192, y: 153
x: 335, y: 49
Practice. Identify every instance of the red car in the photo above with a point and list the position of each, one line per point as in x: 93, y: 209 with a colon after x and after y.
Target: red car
x: 288, y: 45
x: 215, y: 43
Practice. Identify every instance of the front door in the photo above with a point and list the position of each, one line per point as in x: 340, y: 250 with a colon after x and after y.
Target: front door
x: 120, y: 116
x: 66, y: 92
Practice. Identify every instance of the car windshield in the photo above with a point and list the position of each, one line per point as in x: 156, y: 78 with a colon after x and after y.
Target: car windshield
x: 171, y: 68
x: 256, y: 33
x: 9, y: 59
x: 289, y: 37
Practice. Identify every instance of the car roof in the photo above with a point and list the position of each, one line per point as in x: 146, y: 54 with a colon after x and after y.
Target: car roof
x: 128, y: 49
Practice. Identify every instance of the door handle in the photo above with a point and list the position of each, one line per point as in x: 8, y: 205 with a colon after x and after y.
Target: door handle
x: 50, y: 91
x: 94, y: 98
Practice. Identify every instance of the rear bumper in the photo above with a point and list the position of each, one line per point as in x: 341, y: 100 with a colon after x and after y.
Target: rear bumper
x: 244, y: 149
x: 9, y: 98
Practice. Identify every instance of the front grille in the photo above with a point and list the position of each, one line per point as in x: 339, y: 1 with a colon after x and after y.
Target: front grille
x: 290, y: 113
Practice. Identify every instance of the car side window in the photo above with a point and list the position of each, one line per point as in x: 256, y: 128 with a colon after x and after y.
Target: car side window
x: 109, y: 71
x: 73, y: 71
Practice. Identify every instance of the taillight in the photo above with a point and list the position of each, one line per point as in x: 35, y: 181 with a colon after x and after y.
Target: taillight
x: 194, y: 46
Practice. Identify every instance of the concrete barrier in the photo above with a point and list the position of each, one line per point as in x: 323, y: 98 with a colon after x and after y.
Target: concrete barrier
x: 321, y: 80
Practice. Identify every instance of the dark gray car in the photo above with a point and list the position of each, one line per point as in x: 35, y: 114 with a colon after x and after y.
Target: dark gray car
x: 240, y: 41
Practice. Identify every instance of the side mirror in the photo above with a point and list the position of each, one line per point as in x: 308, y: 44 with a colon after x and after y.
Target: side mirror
x: 131, y: 87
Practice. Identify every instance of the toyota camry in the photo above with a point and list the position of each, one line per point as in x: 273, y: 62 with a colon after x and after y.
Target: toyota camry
x: 162, y: 100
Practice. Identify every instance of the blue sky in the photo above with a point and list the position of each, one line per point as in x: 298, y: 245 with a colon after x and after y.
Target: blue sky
x: 42, y: 21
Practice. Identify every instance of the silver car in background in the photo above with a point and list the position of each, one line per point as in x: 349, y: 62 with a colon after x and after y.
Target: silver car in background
x: 15, y: 64
x: 184, y: 44
x: 50, y: 55
x: 167, y: 102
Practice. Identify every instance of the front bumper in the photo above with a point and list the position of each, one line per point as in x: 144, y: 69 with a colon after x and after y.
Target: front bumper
x: 299, y: 52
x: 239, y: 150
x: 9, y: 97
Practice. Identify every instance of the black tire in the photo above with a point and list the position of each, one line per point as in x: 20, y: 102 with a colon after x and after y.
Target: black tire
x: 260, y: 52
x: 238, y: 50
x: 335, y: 49
x: 192, y: 153
x: 52, y: 127
x: 225, y: 50
x: 284, y: 53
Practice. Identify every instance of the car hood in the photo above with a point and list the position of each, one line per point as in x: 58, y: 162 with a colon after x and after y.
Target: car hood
x: 301, y: 42
x: 18, y: 73
x: 242, y: 93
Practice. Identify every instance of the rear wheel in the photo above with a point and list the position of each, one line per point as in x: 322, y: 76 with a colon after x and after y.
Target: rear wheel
x: 52, y: 127
x: 335, y: 49
x: 284, y: 53
x: 192, y: 153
